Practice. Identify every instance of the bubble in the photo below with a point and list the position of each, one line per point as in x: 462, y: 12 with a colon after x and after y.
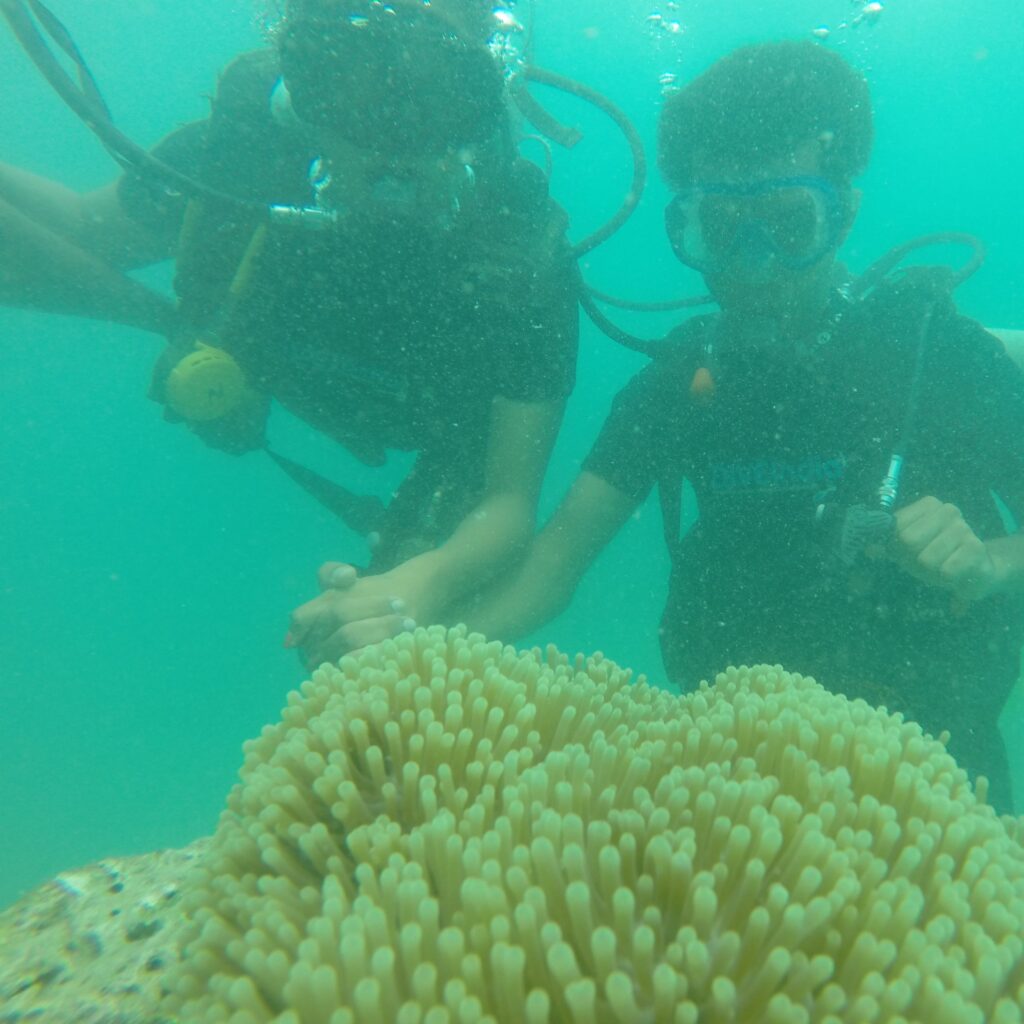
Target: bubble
x: 506, y: 21
x: 659, y: 25
x: 821, y: 32
x: 869, y: 14
x: 506, y: 40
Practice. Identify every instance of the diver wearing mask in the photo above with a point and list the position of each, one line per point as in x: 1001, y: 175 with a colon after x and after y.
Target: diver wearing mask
x: 414, y: 292
x: 782, y: 412
x: 375, y: 91
x: 370, y: 252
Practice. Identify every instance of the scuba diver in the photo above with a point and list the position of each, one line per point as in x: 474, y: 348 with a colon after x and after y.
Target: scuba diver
x: 410, y: 288
x: 844, y: 439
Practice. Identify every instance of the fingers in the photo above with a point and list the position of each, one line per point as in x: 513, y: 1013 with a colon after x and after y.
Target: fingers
x: 331, y: 576
x: 334, y: 611
x: 309, y: 622
x: 936, y: 545
x: 336, y: 576
x: 935, y: 555
x: 354, y: 637
x: 919, y: 524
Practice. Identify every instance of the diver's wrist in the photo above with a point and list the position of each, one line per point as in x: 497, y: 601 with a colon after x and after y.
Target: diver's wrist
x: 1006, y: 561
x: 419, y: 584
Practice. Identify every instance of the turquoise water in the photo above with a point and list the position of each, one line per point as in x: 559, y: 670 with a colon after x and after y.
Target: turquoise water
x: 145, y: 580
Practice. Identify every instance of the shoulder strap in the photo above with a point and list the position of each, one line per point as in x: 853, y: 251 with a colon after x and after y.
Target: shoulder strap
x: 248, y: 153
x: 670, y: 497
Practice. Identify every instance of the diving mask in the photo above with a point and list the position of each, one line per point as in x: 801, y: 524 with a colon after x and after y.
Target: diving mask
x: 793, y: 221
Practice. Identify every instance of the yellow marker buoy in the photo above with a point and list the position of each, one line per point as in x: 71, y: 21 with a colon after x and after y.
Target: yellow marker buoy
x: 206, y: 385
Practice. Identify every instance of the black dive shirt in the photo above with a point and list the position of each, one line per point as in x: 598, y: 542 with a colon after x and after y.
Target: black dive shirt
x: 757, y: 579
x: 400, y: 343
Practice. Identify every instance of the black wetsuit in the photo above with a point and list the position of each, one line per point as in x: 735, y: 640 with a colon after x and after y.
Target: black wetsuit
x: 758, y: 580
x: 401, y: 341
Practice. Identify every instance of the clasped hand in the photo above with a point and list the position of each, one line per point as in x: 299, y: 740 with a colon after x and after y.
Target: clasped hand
x: 933, y: 542
x: 350, y: 613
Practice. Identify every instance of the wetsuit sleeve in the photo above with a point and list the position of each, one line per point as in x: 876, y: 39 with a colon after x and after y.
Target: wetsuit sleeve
x: 150, y: 201
x: 233, y: 151
x: 630, y: 450
x: 527, y: 269
x: 540, y: 344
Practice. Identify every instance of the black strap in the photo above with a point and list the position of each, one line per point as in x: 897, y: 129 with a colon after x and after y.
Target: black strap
x: 362, y: 513
x: 85, y: 99
x: 670, y: 497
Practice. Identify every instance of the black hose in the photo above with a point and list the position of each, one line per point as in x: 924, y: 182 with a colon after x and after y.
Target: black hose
x: 886, y: 264
x: 85, y: 99
x: 624, y: 125
x: 665, y: 306
x: 87, y: 102
x: 645, y: 346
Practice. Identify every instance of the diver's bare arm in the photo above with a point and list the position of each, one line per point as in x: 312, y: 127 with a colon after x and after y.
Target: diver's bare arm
x: 496, y: 531
x: 94, y: 221
x: 542, y: 586
x: 1013, y: 340
x: 46, y: 202
x: 43, y: 269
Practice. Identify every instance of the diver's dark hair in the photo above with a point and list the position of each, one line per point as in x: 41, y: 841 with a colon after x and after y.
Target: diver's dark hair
x: 759, y: 103
x: 396, y: 79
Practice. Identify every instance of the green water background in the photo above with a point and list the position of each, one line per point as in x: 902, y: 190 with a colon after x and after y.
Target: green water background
x: 145, y: 580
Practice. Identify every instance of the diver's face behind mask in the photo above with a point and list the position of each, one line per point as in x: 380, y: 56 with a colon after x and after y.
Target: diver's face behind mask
x: 765, y: 242
x: 375, y: 190
x: 400, y: 103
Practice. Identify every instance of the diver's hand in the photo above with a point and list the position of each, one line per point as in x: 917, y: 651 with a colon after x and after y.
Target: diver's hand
x: 350, y: 613
x: 934, y: 543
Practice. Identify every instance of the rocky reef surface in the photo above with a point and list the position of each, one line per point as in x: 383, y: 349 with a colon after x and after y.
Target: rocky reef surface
x: 92, y: 946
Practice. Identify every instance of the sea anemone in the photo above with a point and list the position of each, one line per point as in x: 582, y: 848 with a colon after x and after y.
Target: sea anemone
x: 445, y: 829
